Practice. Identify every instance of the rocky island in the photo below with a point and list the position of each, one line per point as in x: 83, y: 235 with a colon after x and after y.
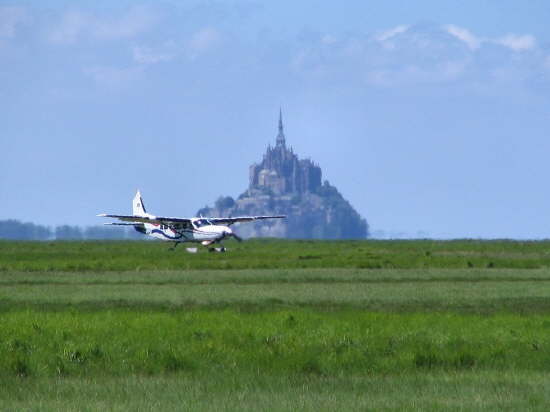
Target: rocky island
x: 284, y: 184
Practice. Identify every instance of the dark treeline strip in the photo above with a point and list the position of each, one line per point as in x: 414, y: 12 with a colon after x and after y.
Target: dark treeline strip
x: 15, y: 230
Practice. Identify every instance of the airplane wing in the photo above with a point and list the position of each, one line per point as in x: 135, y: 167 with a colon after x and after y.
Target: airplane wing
x: 148, y: 219
x: 230, y: 220
x: 175, y: 220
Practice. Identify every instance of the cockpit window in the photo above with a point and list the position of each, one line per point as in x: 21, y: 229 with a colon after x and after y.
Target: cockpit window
x: 182, y: 226
x: 202, y: 222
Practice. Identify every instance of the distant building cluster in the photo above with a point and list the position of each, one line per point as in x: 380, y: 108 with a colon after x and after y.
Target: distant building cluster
x: 284, y: 184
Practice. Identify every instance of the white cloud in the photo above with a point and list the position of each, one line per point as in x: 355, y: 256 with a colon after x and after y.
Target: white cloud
x: 204, y: 39
x: 463, y: 34
x: 388, y: 34
x: 453, y: 69
x: 76, y: 24
x: 328, y: 39
x: 517, y: 42
x: 414, y: 55
x: 10, y: 18
x: 150, y: 55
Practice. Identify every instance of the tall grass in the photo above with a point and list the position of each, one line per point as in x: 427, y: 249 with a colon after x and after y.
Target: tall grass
x: 223, y: 391
x: 350, y: 342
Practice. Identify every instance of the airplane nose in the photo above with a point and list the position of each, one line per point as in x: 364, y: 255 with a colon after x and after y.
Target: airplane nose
x: 229, y: 233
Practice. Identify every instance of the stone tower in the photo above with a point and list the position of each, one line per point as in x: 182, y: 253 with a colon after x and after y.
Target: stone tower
x: 281, y: 172
x: 281, y: 136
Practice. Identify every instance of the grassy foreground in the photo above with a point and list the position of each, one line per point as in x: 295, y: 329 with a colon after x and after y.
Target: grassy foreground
x: 343, y: 342
x: 205, y: 359
x: 461, y: 391
x: 298, y: 325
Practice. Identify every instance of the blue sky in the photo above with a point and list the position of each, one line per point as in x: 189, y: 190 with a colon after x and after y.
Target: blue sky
x: 431, y: 117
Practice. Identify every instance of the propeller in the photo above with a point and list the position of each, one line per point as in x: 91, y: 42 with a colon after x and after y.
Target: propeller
x: 230, y: 233
x: 237, y: 237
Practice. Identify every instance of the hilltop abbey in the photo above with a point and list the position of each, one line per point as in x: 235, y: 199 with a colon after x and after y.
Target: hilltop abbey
x: 282, y: 172
x: 284, y: 184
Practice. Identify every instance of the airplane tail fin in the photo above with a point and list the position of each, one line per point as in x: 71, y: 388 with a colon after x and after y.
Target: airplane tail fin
x: 139, y: 207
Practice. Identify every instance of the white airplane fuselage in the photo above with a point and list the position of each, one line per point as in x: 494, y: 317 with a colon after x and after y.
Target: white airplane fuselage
x: 206, y: 233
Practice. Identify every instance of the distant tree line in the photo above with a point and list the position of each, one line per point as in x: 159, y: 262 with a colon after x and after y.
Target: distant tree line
x: 16, y: 230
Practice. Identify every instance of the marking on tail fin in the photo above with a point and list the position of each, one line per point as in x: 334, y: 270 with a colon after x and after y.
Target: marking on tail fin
x: 142, y: 204
x: 138, y: 206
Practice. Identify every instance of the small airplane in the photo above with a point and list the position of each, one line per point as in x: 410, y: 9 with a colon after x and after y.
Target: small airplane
x: 206, y: 231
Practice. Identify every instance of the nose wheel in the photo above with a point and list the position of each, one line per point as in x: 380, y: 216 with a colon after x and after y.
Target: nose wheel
x: 221, y: 249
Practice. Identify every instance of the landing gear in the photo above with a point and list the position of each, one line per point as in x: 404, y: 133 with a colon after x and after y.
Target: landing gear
x: 174, y: 247
x: 217, y: 249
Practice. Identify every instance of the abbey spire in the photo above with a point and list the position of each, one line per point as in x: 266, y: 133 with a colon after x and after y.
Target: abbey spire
x: 281, y: 135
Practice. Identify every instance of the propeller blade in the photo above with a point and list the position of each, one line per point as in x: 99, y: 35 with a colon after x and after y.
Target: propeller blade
x: 237, y: 237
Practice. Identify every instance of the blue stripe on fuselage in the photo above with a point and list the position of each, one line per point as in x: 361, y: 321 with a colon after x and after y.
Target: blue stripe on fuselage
x: 165, y: 235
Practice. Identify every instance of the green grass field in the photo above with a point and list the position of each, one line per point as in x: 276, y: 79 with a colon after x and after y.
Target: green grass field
x: 275, y: 325
x: 273, y: 254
